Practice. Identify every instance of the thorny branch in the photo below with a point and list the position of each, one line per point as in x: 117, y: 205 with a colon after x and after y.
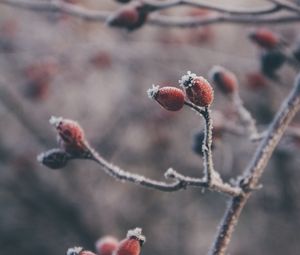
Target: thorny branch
x: 263, y: 15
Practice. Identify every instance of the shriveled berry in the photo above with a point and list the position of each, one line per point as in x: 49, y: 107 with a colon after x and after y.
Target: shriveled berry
x: 106, y: 245
x: 130, y: 17
x: 197, y: 89
x: 224, y: 79
x: 131, y: 245
x: 170, y: 98
x: 54, y: 159
x: 265, y: 38
x: 70, y: 135
x: 271, y: 61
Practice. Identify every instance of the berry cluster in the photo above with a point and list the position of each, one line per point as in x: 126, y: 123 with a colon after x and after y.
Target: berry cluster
x: 196, y: 89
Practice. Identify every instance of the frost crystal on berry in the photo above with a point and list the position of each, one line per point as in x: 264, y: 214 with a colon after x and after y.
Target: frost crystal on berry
x: 55, y: 121
x: 74, y: 251
x: 153, y: 91
x: 186, y: 80
x: 137, y: 232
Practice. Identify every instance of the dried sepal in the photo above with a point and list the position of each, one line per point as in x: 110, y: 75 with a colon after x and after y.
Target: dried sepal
x: 54, y: 158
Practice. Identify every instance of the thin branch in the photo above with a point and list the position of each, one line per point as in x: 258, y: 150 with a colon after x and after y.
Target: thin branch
x: 245, y: 116
x: 222, y: 15
x: 256, y: 168
x: 181, y: 181
x: 158, y: 5
x: 206, y: 147
x: 189, y: 22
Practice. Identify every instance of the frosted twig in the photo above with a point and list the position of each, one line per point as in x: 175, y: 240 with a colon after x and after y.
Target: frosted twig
x: 181, y: 182
x: 256, y: 168
x: 245, y: 116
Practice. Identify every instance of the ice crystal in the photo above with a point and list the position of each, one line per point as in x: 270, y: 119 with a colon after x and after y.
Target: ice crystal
x: 153, y: 91
x: 186, y: 80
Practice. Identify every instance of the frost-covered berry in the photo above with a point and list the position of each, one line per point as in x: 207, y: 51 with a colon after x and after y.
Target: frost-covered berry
x: 131, y: 245
x: 197, y: 89
x: 54, y: 159
x: 225, y: 80
x: 106, y: 245
x: 170, y: 98
x: 255, y: 80
x: 70, y: 135
x: 130, y: 17
x: 265, y: 38
x: 79, y: 251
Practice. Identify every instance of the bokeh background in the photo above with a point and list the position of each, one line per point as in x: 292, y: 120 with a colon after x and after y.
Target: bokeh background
x: 54, y: 64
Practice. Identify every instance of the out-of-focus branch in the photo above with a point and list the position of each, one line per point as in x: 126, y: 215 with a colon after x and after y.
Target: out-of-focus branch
x: 220, y: 15
x: 59, y: 6
x: 158, y: 5
x: 256, y: 168
x: 13, y: 104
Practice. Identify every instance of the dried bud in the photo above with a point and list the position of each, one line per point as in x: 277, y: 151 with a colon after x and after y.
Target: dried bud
x: 54, y: 159
x: 225, y: 80
x: 79, y: 251
x: 131, y: 245
x: 271, y: 61
x: 256, y: 80
x: 70, y: 135
x: 106, y: 245
x: 265, y: 38
x: 130, y: 17
x: 170, y: 98
x: 197, y: 89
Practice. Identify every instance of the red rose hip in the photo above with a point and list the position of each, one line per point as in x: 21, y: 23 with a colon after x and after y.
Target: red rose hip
x: 170, y: 98
x: 131, y: 245
x: 225, y: 80
x: 106, y: 245
x: 197, y: 89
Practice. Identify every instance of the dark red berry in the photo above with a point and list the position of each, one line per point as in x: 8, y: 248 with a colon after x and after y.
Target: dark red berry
x: 265, y: 38
x: 197, y: 89
x: 170, y: 98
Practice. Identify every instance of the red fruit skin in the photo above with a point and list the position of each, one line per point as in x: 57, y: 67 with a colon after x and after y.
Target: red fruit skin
x: 106, y: 245
x: 265, y: 38
x: 200, y: 92
x: 129, y: 246
x: 170, y: 98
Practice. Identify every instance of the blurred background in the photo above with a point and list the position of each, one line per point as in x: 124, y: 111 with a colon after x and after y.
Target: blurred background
x: 55, y: 64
